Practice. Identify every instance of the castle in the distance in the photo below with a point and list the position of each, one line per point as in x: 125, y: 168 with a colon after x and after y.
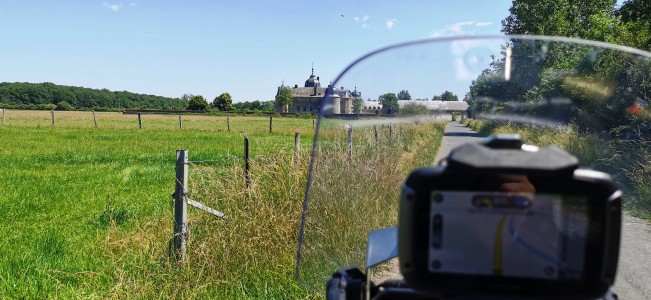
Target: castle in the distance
x: 307, y: 99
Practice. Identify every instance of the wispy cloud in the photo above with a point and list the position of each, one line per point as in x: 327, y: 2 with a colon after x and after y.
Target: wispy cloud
x: 117, y: 6
x: 459, y: 28
x: 363, y: 19
x: 113, y: 7
x: 390, y: 23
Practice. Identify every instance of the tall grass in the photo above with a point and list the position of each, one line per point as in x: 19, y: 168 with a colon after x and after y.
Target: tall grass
x: 91, y: 216
x: 627, y: 160
x: 89, y: 211
x: 353, y: 195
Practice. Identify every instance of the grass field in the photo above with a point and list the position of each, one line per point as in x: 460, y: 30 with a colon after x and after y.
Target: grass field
x: 89, y: 210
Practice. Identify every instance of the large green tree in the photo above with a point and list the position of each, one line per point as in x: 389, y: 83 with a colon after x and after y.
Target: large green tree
x: 284, y: 99
x: 449, y: 96
x: 574, y: 18
x: 358, y: 103
x: 223, y: 102
x: 389, y: 103
x: 542, y: 71
x: 197, y: 103
x: 404, y: 95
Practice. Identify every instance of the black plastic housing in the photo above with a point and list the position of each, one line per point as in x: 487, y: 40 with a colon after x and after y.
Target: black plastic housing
x: 551, y: 171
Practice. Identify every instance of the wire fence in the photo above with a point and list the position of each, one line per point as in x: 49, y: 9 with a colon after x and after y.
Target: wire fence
x: 93, y: 119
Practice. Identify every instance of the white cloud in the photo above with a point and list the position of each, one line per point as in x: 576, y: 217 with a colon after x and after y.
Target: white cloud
x: 133, y: 4
x: 391, y: 22
x: 459, y: 28
x: 113, y: 7
x: 364, y: 20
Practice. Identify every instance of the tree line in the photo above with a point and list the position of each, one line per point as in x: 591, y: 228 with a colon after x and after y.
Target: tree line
x: 542, y: 71
x: 50, y: 96
x: 224, y: 102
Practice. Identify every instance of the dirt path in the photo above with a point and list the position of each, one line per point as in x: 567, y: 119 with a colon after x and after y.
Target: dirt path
x: 634, y: 271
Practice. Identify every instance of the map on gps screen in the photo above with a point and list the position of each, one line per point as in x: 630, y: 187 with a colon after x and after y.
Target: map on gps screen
x: 508, y: 234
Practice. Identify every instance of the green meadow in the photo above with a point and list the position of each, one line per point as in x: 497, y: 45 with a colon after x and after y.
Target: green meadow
x: 88, y: 210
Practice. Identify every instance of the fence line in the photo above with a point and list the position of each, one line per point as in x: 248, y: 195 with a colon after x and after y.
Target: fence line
x: 181, y: 199
x: 56, y: 117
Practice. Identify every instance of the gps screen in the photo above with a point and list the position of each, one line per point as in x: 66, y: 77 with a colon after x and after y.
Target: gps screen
x: 524, y: 235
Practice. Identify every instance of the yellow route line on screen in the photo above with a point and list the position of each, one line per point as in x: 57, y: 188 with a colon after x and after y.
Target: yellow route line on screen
x: 497, y: 247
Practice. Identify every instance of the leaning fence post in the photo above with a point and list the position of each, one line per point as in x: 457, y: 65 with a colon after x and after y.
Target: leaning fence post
x: 350, y: 140
x: 377, y: 138
x: 246, y: 162
x: 140, y: 120
x: 180, y: 122
x: 390, y: 133
x: 94, y: 119
x: 3, y: 115
x: 297, y: 142
x: 52, y: 112
x: 271, y: 118
x: 180, y: 205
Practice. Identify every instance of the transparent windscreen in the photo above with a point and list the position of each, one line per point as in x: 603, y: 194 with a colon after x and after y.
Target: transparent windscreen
x: 407, y: 106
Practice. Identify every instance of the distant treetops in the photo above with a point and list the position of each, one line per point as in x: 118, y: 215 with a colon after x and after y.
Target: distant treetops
x: 50, y: 96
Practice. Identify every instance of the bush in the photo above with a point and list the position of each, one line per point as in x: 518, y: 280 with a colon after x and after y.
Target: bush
x: 64, y: 106
x: 414, y: 108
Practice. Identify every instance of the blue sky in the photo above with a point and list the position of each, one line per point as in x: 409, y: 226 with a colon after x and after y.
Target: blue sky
x: 246, y: 48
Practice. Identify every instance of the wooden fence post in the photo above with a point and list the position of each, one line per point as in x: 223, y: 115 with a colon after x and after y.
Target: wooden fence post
x: 228, y: 122
x: 350, y: 140
x: 180, y: 122
x: 246, y: 162
x: 297, y: 143
x: 94, y: 119
x: 377, y: 137
x: 390, y: 133
x: 180, y: 205
x: 313, y: 123
x: 3, y: 115
x: 271, y: 118
x: 52, y: 112
x: 140, y: 120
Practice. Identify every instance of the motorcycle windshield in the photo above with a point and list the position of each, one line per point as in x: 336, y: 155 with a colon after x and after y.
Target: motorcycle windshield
x: 406, y: 106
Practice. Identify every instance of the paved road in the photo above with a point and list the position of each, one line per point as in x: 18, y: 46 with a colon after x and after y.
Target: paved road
x: 455, y: 135
x: 634, y: 272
